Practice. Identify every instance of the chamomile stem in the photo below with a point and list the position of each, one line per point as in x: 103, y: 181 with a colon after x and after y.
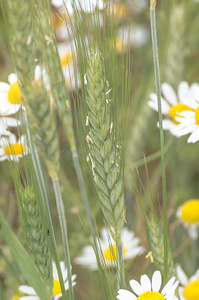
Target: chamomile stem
x: 40, y: 179
x: 120, y: 262
x: 62, y: 220
x: 158, y: 90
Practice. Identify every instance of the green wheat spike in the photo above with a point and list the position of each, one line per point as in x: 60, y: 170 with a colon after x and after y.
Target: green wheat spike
x: 156, y: 243
x: 104, y: 158
x: 36, y: 236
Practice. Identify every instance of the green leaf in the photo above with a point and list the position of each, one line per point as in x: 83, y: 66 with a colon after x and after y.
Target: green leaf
x: 23, y: 260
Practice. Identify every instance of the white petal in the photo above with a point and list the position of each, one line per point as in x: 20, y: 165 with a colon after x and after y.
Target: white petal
x: 12, y: 78
x: 172, y: 290
x: 181, y: 294
x: 9, y: 122
x: 156, y: 281
x: 195, y: 276
x: 4, y: 87
x: 131, y: 253
x: 193, y: 232
x: 27, y: 290
x: 154, y: 104
x: 57, y: 3
x: 187, y: 113
x: 58, y: 296
x: 183, y: 91
x: 168, y: 286
x: 2, y: 158
x: 167, y: 124
x: 136, y: 287
x: 169, y: 94
x: 186, y: 130
x: 125, y: 295
x: 194, y: 137
x: 191, y: 103
x: 145, y: 283
x: 185, y: 121
x: 55, y: 273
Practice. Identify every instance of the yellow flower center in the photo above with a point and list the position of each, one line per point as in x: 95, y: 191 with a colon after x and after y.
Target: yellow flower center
x: 191, y: 290
x: 14, y: 94
x: 56, y: 288
x: 66, y: 59
x: 151, y: 296
x: 111, y: 253
x: 176, y: 109
x: 17, y: 296
x: 190, y: 211
x: 197, y: 115
x: 14, y: 149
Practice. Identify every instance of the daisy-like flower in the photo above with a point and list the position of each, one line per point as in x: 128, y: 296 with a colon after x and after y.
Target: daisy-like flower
x: 190, y: 287
x: 31, y: 294
x: 189, y: 119
x: 173, y: 105
x: 188, y: 212
x: 130, y: 244
x: 150, y: 290
x: 10, y: 96
x: 12, y: 149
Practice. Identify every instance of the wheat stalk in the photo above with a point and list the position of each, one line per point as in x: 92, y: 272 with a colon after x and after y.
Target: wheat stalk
x: 36, y: 236
x: 156, y: 243
x: 103, y: 156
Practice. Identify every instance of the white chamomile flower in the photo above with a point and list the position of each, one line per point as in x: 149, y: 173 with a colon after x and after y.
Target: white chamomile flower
x: 31, y: 294
x: 189, y: 119
x: 173, y: 104
x: 12, y: 149
x: 188, y: 212
x: 10, y: 96
x: 150, y: 290
x: 190, y: 287
x: 130, y: 244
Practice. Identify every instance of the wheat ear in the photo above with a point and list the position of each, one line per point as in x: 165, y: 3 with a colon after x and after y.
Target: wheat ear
x: 48, y: 44
x: 156, y: 243
x: 103, y: 158
x: 36, y: 236
x: 42, y: 125
x: 21, y: 36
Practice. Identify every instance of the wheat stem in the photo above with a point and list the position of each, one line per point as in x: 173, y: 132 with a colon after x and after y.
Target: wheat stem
x: 62, y: 220
x: 158, y: 91
x: 47, y: 211
x: 120, y: 261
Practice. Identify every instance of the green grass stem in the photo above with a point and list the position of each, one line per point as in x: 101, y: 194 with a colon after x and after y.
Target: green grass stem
x: 158, y: 90
x: 62, y: 220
